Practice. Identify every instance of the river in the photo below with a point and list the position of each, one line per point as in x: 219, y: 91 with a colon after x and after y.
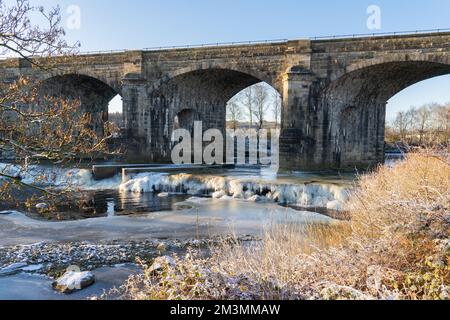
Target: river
x: 162, y: 206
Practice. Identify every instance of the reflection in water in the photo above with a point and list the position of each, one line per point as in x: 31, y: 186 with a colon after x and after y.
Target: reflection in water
x: 110, y: 207
x: 114, y: 203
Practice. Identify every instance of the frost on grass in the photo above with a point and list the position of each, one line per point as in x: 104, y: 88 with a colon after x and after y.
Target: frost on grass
x: 396, y: 246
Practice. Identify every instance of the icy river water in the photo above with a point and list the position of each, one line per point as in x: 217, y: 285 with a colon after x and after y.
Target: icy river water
x: 164, y: 206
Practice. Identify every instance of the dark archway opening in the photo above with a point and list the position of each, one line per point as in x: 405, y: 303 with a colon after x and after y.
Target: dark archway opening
x: 93, y: 95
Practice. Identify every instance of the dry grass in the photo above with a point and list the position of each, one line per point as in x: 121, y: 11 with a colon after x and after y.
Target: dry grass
x: 395, y: 247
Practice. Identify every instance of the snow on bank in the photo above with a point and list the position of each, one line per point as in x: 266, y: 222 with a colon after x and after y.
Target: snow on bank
x: 322, y: 195
x: 59, y: 177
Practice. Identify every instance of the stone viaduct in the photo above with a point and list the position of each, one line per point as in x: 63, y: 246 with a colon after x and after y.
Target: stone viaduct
x: 334, y: 91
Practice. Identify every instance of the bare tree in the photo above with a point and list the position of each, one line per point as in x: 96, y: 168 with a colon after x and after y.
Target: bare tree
x: 403, y: 123
x: 247, y: 102
x: 35, y: 127
x: 19, y: 36
x: 276, y: 108
x: 260, y: 104
x: 234, y: 114
x: 428, y: 125
x: 422, y: 119
x: 441, y: 123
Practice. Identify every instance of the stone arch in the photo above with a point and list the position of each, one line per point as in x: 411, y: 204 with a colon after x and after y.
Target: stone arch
x: 114, y: 83
x: 442, y: 58
x: 356, y: 103
x: 379, y: 79
x: 94, y: 95
x: 205, y: 66
x: 203, y: 88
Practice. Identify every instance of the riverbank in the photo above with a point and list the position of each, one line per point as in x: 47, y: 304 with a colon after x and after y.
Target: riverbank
x: 53, y: 258
x: 397, y: 247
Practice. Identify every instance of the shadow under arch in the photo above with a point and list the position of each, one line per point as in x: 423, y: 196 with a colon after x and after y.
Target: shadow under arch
x: 94, y: 95
x: 217, y: 67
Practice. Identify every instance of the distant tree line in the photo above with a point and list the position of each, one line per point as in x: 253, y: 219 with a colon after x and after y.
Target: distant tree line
x: 426, y: 126
x: 258, y: 107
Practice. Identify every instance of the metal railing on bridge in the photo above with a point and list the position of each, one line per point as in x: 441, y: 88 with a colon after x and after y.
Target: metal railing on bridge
x: 380, y: 34
x: 224, y: 44
x: 254, y: 42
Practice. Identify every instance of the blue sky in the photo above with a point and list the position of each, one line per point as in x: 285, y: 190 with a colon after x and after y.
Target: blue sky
x: 136, y: 24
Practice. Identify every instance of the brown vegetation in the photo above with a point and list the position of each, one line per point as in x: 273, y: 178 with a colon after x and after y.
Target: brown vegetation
x: 395, y: 247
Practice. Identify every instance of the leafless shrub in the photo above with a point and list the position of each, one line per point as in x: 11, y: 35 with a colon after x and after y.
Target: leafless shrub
x: 33, y: 127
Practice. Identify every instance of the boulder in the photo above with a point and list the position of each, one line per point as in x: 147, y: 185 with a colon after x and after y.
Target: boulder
x: 337, y: 292
x: 72, y: 281
x: 162, y: 262
x: 161, y: 247
x: 42, y: 206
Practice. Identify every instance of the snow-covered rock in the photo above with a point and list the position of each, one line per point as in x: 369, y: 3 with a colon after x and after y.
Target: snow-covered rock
x: 72, y: 281
x: 162, y: 262
x: 218, y: 194
x: 163, y: 195
x: 42, y: 206
x: 335, y: 205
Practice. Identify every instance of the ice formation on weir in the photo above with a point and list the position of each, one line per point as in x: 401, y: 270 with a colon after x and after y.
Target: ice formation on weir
x: 321, y: 195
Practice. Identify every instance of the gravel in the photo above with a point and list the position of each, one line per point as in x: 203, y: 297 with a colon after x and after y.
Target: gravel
x: 53, y: 259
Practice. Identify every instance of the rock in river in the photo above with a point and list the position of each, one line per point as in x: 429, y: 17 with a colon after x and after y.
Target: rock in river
x: 73, y: 281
